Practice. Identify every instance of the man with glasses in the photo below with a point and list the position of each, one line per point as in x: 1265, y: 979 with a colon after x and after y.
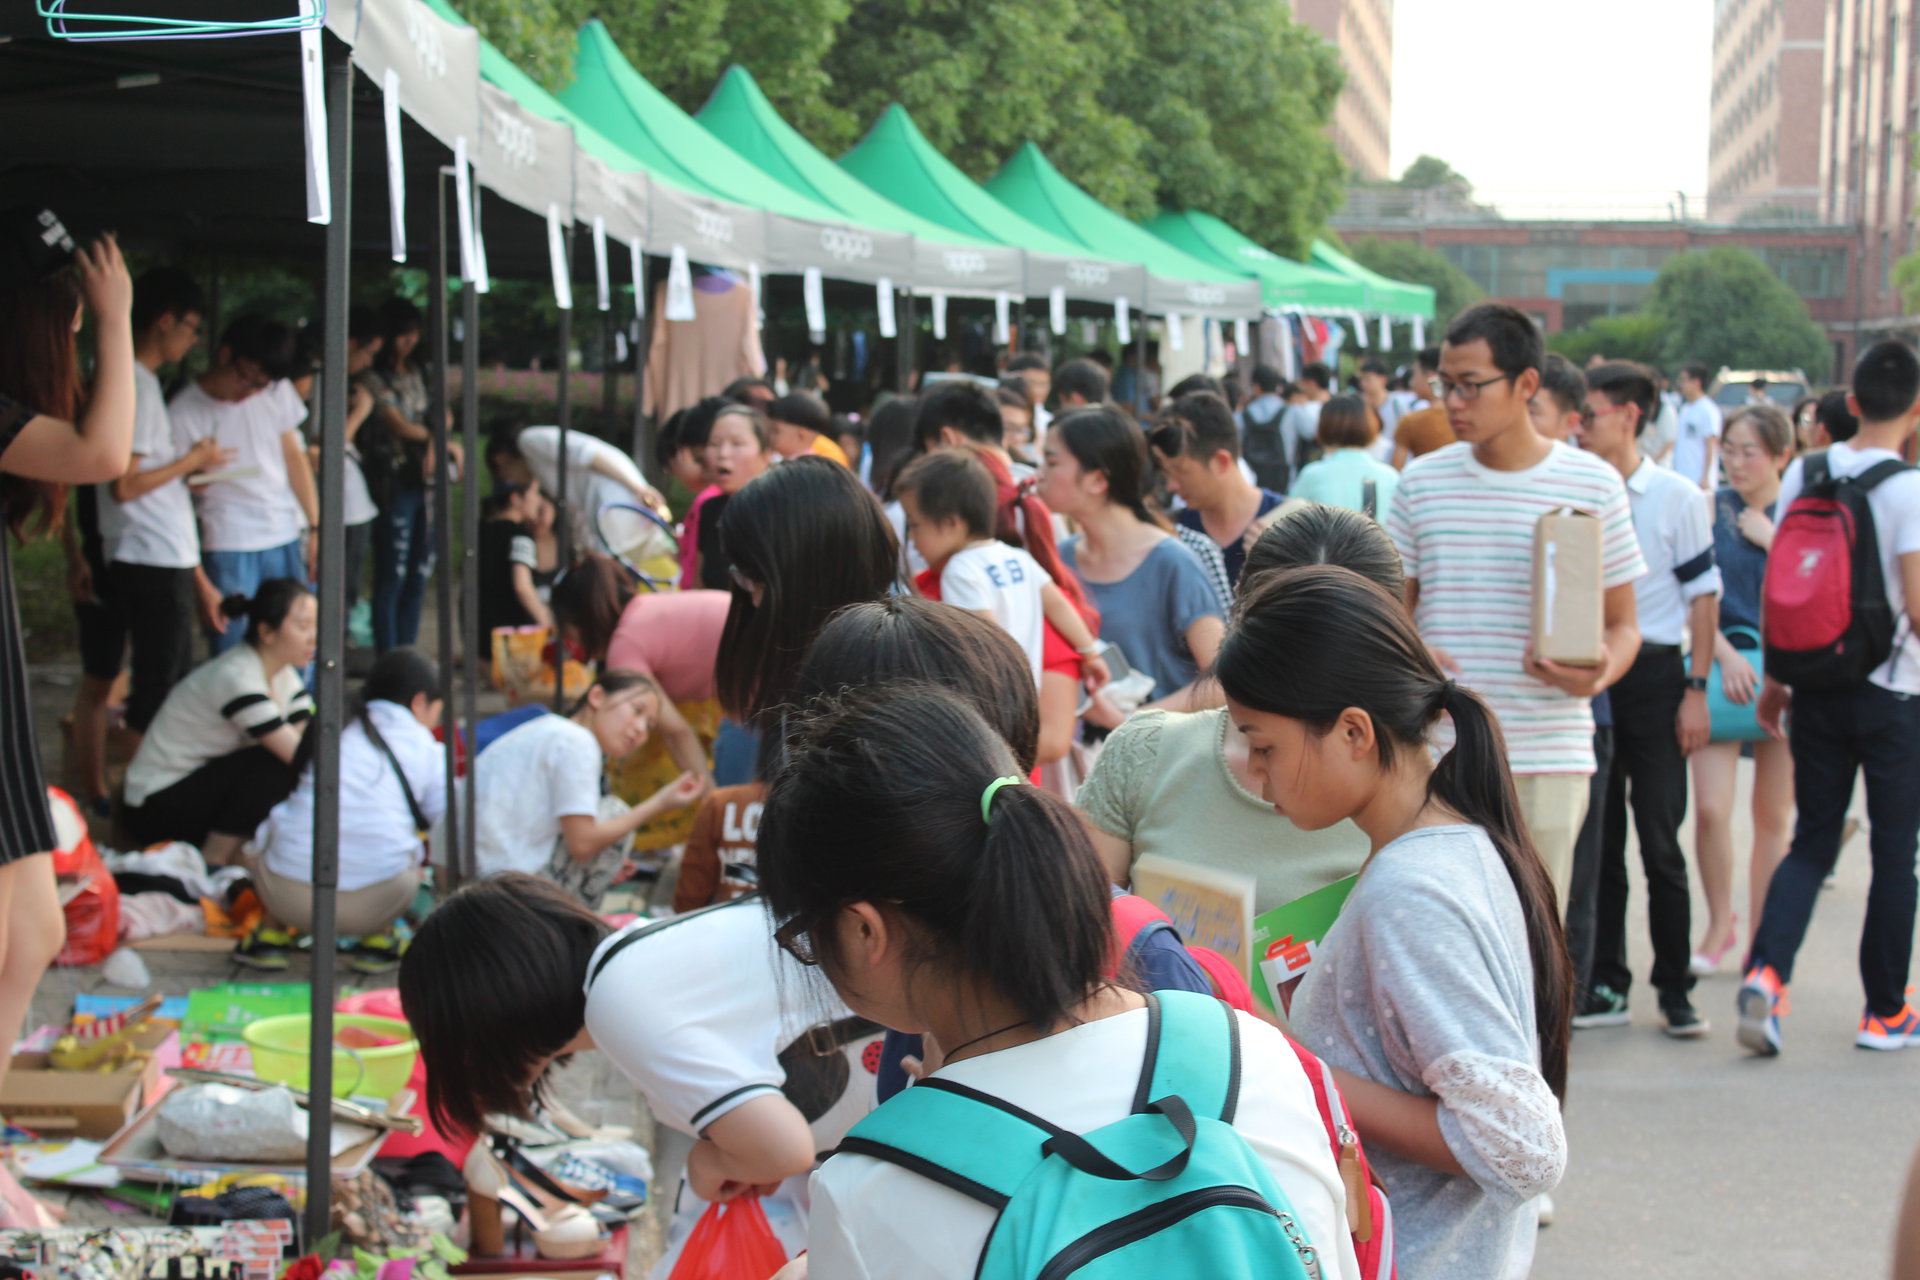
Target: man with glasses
x: 1197, y: 445
x: 256, y: 518
x: 1464, y: 519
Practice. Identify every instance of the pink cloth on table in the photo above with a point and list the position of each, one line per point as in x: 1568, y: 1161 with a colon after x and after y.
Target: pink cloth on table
x: 690, y: 539
x: 673, y: 636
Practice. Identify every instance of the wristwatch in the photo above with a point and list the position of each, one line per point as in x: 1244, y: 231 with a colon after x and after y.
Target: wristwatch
x: 1697, y: 684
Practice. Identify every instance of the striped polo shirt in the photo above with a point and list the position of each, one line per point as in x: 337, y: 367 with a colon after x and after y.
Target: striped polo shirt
x: 1466, y: 534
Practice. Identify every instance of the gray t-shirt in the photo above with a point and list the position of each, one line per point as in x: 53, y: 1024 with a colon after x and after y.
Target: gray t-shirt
x: 1147, y: 613
x: 1425, y: 984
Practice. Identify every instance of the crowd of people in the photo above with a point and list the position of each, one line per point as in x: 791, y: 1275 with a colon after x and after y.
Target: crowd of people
x: 927, y: 689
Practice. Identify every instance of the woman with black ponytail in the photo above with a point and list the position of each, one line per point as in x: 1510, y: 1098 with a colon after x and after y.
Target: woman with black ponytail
x: 1442, y: 995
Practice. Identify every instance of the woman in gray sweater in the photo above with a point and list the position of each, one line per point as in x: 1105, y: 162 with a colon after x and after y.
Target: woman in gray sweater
x: 1441, y: 997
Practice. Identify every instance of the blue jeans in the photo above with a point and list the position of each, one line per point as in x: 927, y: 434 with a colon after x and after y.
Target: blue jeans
x: 1834, y: 736
x: 240, y: 573
x: 402, y: 563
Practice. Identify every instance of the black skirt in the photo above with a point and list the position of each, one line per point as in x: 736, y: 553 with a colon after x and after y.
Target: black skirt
x: 26, y: 824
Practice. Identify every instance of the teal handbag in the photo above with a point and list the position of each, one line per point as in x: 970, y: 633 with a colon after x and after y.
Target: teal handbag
x: 1731, y: 721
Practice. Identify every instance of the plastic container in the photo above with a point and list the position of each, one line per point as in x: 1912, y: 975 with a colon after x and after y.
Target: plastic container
x: 279, y: 1048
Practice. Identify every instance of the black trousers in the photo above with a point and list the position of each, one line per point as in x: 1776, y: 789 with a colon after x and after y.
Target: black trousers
x: 1649, y: 769
x: 154, y: 609
x: 231, y: 795
x: 1583, y: 887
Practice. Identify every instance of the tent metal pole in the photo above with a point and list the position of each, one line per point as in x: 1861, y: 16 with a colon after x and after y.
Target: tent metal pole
x: 609, y: 373
x: 1140, y: 367
x: 563, y: 518
x: 443, y: 498
x: 330, y: 678
x: 643, y: 328
x: 463, y: 853
x: 903, y: 353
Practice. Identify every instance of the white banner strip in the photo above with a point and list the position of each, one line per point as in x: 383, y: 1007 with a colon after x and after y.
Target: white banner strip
x: 603, y: 285
x: 313, y: 94
x: 883, y: 298
x: 638, y: 265
x: 813, y: 294
x: 939, y: 317
x: 1122, y: 321
x: 1002, y: 319
x: 679, y: 286
x: 557, y: 260
x: 396, y: 164
x: 1176, y: 334
x: 465, y: 214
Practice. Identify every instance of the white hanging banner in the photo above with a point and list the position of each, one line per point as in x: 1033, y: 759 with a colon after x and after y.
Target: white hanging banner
x: 883, y: 297
x: 637, y: 262
x: 483, y: 280
x: 463, y: 210
x: 939, y: 317
x: 557, y: 260
x: 1419, y: 333
x: 1176, y: 334
x: 619, y: 346
x: 753, y: 283
x: 601, y: 282
x: 396, y: 164
x: 1240, y: 337
x: 313, y: 96
x: 813, y: 295
x: 1057, y: 310
x: 679, y: 285
x: 1122, y: 321
x: 1002, y: 319
x: 1386, y: 334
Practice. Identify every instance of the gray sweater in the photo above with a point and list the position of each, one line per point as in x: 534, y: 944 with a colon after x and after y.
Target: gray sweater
x: 1425, y: 984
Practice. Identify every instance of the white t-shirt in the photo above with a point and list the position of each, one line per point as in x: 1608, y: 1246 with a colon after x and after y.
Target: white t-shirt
x: 696, y: 1011
x: 1896, y: 526
x: 993, y: 577
x: 871, y: 1218
x: 587, y: 490
x: 529, y: 778
x: 1699, y: 422
x: 378, y: 839
x: 256, y: 511
x: 156, y: 528
x: 223, y: 706
x: 1673, y: 522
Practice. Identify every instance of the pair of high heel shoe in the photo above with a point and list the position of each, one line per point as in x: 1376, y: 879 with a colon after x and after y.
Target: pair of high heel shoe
x: 560, y: 1231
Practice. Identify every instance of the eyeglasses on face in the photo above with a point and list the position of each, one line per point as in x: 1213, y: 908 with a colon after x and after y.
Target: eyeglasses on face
x: 1467, y: 389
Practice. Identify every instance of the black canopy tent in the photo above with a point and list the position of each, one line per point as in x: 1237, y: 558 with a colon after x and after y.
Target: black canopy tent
x: 201, y: 143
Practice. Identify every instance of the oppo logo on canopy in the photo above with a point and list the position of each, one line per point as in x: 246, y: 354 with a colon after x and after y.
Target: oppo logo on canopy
x: 845, y: 245
x: 962, y: 262
x: 429, y: 55
x: 1086, y: 273
x: 514, y: 138
x: 1206, y: 295
x: 717, y: 227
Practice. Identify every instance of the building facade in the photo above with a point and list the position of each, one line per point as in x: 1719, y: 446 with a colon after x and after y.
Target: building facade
x: 1362, y: 31
x: 1869, y: 119
x: 1768, y: 69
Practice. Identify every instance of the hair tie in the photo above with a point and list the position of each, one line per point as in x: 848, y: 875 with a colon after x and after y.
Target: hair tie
x: 986, y: 797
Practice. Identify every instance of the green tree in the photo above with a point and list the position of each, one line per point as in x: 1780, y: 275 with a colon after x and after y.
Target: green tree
x: 1429, y: 173
x: 1725, y: 307
x: 1453, y: 289
x: 1634, y: 336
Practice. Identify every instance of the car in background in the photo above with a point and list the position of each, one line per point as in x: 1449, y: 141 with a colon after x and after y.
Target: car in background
x: 1785, y: 387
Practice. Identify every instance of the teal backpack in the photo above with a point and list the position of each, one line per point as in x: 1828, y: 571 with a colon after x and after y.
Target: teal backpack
x: 1169, y: 1190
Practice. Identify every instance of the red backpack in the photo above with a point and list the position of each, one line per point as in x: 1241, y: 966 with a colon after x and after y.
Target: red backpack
x: 1134, y: 918
x: 1825, y: 611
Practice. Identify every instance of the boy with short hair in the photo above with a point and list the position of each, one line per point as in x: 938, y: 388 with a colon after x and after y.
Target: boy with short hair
x: 800, y: 424
x: 1696, y: 442
x: 1197, y: 445
x: 949, y: 497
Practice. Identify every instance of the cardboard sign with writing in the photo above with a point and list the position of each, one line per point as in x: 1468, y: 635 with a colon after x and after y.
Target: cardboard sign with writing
x: 1568, y: 595
x: 1210, y: 908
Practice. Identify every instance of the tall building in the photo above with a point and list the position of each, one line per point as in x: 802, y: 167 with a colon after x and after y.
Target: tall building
x: 1869, y: 118
x: 1767, y: 73
x: 1362, y: 30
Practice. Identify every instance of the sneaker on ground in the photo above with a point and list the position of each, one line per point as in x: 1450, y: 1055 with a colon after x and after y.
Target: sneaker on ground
x: 1759, y: 1005
x: 264, y: 948
x: 1545, y: 1203
x: 376, y: 953
x: 1897, y: 1032
x: 1683, y: 1020
x: 1604, y: 1007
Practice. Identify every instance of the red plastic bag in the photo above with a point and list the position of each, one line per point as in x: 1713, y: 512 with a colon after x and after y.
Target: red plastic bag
x: 93, y: 913
x: 732, y: 1241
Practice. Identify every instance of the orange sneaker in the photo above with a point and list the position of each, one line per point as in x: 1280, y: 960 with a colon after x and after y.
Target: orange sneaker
x: 1759, y: 1004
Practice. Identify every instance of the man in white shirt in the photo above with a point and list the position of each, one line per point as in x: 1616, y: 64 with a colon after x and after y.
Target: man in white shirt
x: 1659, y: 707
x: 1696, y: 444
x: 257, y: 519
x: 1871, y: 728
x: 599, y: 475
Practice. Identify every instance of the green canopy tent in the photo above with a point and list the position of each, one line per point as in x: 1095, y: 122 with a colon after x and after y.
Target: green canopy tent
x: 945, y: 261
x: 802, y: 233
x: 1285, y: 285
x: 1392, y: 298
x: 896, y: 160
x: 1177, y: 282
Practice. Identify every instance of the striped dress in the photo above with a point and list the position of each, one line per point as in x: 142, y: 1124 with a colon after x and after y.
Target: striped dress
x: 1466, y: 534
x: 26, y: 825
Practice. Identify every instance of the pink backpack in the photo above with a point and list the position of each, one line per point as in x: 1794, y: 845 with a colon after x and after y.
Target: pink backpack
x: 1369, y: 1216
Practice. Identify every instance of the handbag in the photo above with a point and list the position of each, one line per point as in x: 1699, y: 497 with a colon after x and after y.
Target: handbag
x: 1732, y: 722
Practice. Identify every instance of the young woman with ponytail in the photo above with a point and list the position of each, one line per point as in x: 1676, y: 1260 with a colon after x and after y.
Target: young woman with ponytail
x: 904, y: 855
x: 1442, y: 995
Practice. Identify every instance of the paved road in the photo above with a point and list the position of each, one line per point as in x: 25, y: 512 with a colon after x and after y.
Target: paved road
x: 1695, y: 1160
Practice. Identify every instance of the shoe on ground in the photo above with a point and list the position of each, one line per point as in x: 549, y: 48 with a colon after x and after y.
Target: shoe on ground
x: 1896, y: 1032
x: 376, y: 953
x: 1759, y: 1005
x: 264, y: 949
x: 1683, y: 1021
x: 1604, y: 1007
x: 1545, y: 1205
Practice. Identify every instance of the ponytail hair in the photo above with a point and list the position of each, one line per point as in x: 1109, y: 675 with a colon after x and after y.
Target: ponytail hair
x: 590, y: 598
x: 1308, y: 644
x: 881, y: 802
x: 397, y: 676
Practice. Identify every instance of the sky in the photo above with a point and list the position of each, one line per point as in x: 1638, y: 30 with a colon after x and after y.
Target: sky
x: 1509, y: 93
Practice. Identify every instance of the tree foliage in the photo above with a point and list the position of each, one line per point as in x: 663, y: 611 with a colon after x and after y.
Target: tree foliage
x: 1634, y: 336
x: 1453, y: 289
x: 1186, y: 103
x: 1725, y: 307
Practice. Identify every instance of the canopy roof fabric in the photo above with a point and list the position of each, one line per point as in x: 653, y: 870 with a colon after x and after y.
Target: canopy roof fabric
x: 801, y: 232
x: 1284, y: 283
x: 896, y: 160
x: 945, y: 261
x: 1390, y: 297
x: 1177, y: 282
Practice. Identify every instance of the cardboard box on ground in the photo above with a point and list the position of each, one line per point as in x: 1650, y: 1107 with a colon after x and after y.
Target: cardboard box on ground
x: 90, y: 1104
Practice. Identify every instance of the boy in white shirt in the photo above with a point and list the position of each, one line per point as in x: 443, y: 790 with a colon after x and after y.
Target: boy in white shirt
x: 949, y: 500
